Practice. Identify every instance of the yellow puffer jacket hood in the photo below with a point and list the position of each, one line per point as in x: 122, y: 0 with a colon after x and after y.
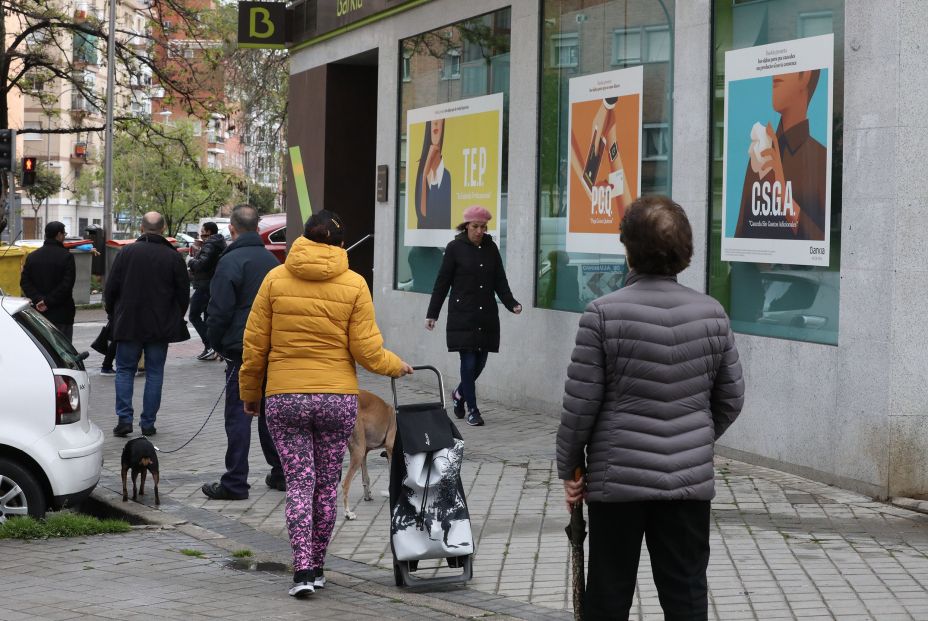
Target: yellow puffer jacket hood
x: 310, y: 260
x: 311, y: 322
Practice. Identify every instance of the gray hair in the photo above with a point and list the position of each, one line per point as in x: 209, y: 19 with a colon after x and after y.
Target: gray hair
x: 244, y: 218
x: 152, y: 222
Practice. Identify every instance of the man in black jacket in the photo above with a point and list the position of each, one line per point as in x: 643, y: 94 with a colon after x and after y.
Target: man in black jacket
x: 238, y: 277
x: 146, y: 296
x: 202, y: 268
x: 48, y: 279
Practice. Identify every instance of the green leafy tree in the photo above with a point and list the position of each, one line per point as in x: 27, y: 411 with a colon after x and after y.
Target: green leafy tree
x: 262, y: 198
x: 160, y: 173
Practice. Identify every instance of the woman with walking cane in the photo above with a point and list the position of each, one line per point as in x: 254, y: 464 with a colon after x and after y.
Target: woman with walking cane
x: 654, y: 380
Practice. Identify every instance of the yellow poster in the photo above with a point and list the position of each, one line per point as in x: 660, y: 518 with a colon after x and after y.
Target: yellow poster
x: 454, y: 155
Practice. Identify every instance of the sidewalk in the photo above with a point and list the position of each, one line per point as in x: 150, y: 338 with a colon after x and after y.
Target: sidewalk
x: 783, y: 547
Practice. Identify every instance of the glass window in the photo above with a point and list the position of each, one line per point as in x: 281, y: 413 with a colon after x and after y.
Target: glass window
x: 626, y: 47
x: 565, y: 50
x: 31, y: 125
x: 279, y: 236
x: 55, y: 346
x: 405, y: 68
x: 613, y: 34
x: 797, y: 302
x: 656, y: 141
x: 658, y: 44
x: 816, y: 23
x: 451, y: 65
x: 461, y: 61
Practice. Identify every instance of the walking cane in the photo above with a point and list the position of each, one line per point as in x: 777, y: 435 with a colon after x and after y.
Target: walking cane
x: 576, y: 533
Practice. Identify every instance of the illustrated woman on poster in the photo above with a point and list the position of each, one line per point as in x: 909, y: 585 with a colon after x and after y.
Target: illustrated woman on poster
x: 783, y: 196
x: 603, y: 145
x: 433, y: 181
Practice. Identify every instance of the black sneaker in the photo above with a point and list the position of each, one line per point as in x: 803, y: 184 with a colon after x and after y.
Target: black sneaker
x: 302, y: 583
x: 122, y: 430
x: 319, y: 582
x: 458, y: 402
x: 149, y: 431
x: 203, y: 354
x: 107, y: 371
x: 474, y: 419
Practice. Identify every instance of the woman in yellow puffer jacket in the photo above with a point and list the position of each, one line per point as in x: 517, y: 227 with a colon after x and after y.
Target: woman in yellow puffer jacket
x: 312, y: 320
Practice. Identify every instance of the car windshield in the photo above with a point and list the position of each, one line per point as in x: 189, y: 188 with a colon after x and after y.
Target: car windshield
x: 57, y: 349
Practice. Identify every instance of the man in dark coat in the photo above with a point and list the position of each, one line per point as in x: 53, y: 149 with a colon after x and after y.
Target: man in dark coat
x: 235, y: 284
x: 202, y: 268
x: 146, y: 296
x: 48, y: 279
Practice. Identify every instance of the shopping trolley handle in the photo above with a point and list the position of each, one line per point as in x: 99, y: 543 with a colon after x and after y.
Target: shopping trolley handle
x: 421, y: 367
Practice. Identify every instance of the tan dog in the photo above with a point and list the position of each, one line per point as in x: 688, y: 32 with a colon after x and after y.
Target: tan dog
x: 375, y: 428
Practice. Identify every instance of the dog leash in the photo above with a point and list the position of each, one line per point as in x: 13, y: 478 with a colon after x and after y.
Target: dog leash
x: 208, y: 416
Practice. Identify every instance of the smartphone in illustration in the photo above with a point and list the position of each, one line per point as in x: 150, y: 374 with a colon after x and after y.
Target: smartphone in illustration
x: 593, y: 158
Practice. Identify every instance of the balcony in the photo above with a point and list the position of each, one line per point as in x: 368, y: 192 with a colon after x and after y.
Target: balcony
x: 80, y: 106
x: 79, y: 153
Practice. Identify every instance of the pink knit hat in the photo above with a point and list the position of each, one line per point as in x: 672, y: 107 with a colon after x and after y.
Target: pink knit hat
x: 476, y: 212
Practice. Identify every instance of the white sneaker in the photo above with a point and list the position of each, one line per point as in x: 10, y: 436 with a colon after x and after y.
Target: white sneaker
x: 301, y: 590
x: 319, y: 582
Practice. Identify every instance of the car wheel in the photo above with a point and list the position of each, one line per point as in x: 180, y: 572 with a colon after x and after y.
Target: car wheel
x: 20, y: 492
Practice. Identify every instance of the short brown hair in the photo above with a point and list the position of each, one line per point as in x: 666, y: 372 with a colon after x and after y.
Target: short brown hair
x: 657, y: 236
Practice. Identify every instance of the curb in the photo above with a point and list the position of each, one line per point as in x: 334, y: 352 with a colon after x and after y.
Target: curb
x: 911, y: 504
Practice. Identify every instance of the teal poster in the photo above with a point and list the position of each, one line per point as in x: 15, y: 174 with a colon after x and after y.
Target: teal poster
x: 776, y: 203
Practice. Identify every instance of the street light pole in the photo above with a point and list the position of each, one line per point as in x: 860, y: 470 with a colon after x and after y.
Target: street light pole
x: 110, y: 102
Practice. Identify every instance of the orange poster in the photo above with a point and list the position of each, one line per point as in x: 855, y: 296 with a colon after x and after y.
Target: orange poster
x: 605, y: 158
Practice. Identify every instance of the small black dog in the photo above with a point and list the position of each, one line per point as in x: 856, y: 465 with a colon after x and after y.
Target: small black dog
x: 139, y: 455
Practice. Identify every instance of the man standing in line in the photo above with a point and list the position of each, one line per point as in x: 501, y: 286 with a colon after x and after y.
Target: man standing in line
x: 146, y: 296
x: 238, y: 277
x: 202, y: 268
x: 48, y: 279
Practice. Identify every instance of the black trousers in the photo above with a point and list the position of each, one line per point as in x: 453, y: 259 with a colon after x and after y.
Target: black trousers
x: 677, y: 534
x: 238, y: 434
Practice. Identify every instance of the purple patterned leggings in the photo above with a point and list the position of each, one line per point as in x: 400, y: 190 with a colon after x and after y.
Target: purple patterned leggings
x: 311, y: 432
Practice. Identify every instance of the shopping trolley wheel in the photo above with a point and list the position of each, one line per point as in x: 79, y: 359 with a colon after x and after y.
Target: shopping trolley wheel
x: 398, y: 575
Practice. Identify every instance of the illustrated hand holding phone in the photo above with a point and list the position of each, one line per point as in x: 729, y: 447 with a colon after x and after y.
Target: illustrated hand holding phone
x: 613, y: 196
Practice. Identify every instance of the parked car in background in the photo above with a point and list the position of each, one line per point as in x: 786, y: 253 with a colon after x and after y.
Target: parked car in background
x: 273, y: 231
x: 51, y: 454
x: 184, y: 243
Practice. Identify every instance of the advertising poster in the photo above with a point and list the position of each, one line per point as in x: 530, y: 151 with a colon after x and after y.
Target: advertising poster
x: 605, y: 157
x: 454, y: 159
x: 776, y: 179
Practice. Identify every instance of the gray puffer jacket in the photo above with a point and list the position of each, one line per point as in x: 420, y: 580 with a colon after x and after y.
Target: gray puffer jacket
x: 653, y: 381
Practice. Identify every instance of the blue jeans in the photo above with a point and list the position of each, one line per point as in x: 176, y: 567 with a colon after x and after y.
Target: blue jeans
x: 238, y: 434
x: 472, y: 363
x: 198, y: 303
x: 127, y: 363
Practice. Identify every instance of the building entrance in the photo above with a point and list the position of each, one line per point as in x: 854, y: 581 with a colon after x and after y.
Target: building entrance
x: 333, y: 118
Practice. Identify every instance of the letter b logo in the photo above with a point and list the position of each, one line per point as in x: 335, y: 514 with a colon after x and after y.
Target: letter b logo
x: 260, y: 17
x: 262, y: 24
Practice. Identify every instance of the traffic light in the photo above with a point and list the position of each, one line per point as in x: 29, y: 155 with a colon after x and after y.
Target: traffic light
x: 28, y: 171
x: 7, y: 149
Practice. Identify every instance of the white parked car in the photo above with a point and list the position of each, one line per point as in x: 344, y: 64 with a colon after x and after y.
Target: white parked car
x: 51, y: 454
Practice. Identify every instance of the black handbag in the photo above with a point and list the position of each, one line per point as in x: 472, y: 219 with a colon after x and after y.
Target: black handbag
x: 102, y: 343
x: 424, y: 428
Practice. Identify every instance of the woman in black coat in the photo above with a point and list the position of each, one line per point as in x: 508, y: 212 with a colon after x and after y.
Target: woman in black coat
x: 472, y: 269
